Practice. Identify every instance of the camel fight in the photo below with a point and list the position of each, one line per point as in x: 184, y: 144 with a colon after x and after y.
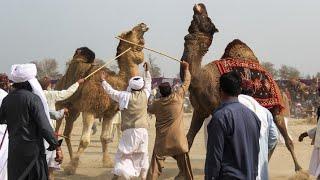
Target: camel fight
x: 188, y: 91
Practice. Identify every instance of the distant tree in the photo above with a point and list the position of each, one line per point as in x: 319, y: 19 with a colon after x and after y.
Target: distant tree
x: 318, y: 75
x: 288, y: 72
x: 47, y: 68
x: 155, y: 70
x: 270, y: 68
x: 308, y: 76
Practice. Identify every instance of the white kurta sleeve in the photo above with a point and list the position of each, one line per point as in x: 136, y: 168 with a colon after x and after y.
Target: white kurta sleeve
x: 64, y: 94
x: 148, y: 83
x: 312, y: 133
x: 114, y: 94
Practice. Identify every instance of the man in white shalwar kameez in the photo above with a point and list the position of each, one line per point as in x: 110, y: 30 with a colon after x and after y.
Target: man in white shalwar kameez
x: 52, y: 97
x: 314, y: 134
x: 131, y: 159
x: 4, y: 141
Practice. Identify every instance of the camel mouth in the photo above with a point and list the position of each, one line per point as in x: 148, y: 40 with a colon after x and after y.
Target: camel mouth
x: 144, y: 27
x: 197, y: 8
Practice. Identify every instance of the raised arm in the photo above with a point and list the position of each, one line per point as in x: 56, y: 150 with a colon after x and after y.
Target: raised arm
x: 186, y: 81
x: 64, y: 94
x: 147, y: 79
x: 40, y: 118
x: 114, y: 94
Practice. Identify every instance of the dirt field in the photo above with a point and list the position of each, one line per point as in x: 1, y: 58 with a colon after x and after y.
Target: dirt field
x: 281, y: 165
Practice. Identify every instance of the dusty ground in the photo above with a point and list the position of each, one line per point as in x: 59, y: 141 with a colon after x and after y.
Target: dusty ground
x: 281, y: 165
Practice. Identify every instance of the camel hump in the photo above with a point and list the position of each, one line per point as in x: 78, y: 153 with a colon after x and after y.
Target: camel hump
x: 237, y: 49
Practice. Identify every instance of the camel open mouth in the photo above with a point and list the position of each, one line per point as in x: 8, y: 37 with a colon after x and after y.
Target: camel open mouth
x: 197, y: 7
x: 144, y: 27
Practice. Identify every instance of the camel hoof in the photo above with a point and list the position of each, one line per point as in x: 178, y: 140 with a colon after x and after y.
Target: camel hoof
x: 300, y: 175
x: 107, y: 162
x: 70, y: 170
x: 298, y: 168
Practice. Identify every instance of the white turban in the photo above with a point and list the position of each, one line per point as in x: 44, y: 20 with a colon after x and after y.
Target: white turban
x: 23, y: 72
x: 136, y: 83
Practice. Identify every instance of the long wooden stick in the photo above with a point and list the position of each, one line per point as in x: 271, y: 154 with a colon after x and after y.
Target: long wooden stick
x: 163, y: 54
x: 108, y: 62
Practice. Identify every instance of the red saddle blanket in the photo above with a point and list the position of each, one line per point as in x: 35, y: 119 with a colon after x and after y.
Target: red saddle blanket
x: 254, y: 78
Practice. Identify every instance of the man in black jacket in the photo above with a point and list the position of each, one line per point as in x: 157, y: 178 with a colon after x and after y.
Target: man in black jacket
x: 28, y: 125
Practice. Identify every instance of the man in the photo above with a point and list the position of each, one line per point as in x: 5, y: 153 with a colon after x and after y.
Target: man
x: 170, y: 137
x: 52, y: 97
x: 314, y: 135
x: 26, y: 114
x: 233, y: 136
x: 131, y: 159
x: 4, y: 141
x: 268, y: 133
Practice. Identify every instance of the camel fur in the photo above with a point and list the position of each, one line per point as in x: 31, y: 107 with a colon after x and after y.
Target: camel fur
x: 92, y: 100
x: 204, y: 88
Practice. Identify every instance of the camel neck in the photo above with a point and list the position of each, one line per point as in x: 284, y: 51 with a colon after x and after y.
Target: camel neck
x: 127, y: 71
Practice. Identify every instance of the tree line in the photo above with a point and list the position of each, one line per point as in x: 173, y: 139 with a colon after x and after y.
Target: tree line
x: 49, y: 67
x: 286, y: 72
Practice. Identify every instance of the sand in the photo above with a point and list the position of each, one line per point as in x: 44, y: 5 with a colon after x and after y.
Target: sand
x: 281, y: 165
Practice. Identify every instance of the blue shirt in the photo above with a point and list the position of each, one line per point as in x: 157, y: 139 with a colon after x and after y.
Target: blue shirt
x: 233, y: 143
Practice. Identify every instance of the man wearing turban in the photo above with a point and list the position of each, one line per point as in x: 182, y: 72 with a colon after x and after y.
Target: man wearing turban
x: 26, y: 113
x: 131, y: 159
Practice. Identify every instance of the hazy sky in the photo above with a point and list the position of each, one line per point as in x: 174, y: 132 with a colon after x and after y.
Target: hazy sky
x: 282, y: 32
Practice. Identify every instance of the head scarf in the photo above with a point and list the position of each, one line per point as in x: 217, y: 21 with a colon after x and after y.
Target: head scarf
x: 27, y: 72
x: 136, y: 83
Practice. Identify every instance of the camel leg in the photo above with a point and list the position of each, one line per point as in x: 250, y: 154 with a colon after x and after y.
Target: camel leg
x: 196, y: 123
x: 105, y: 139
x: 68, y: 129
x: 88, y: 120
x: 279, y: 120
x: 58, y: 125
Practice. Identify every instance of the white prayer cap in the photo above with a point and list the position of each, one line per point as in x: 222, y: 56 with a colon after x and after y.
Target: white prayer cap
x: 136, y: 83
x: 23, y: 72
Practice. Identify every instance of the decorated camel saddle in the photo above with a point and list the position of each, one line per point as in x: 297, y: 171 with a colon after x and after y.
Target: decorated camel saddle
x: 255, y: 79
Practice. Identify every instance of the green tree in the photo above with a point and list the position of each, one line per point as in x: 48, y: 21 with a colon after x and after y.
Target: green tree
x: 288, y: 72
x: 270, y: 68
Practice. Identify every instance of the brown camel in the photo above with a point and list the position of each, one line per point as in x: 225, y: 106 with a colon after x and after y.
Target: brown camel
x: 204, y: 88
x: 90, y: 98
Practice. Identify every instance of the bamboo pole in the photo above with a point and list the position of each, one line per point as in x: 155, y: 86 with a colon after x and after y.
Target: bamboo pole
x: 163, y: 54
x: 108, y: 62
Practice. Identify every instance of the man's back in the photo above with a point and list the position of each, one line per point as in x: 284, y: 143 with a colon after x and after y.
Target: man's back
x: 233, y: 143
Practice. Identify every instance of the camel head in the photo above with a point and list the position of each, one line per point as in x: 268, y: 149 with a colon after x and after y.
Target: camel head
x: 200, y: 9
x: 84, y: 53
x: 135, y: 35
x: 128, y: 63
x: 199, y: 39
x: 238, y: 50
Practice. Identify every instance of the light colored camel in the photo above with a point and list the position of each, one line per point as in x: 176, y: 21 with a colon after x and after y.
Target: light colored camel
x: 204, y: 88
x: 92, y: 101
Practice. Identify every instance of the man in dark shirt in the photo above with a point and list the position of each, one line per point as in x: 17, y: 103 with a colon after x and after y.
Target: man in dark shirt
x: 233, y: 136
x: 24, y: 113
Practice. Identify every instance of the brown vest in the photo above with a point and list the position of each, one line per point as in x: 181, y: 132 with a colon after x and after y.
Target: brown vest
x: 135, y: 116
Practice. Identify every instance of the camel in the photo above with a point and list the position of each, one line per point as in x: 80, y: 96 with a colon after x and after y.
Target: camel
x: 204, y: 88
x: 91, y: 99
